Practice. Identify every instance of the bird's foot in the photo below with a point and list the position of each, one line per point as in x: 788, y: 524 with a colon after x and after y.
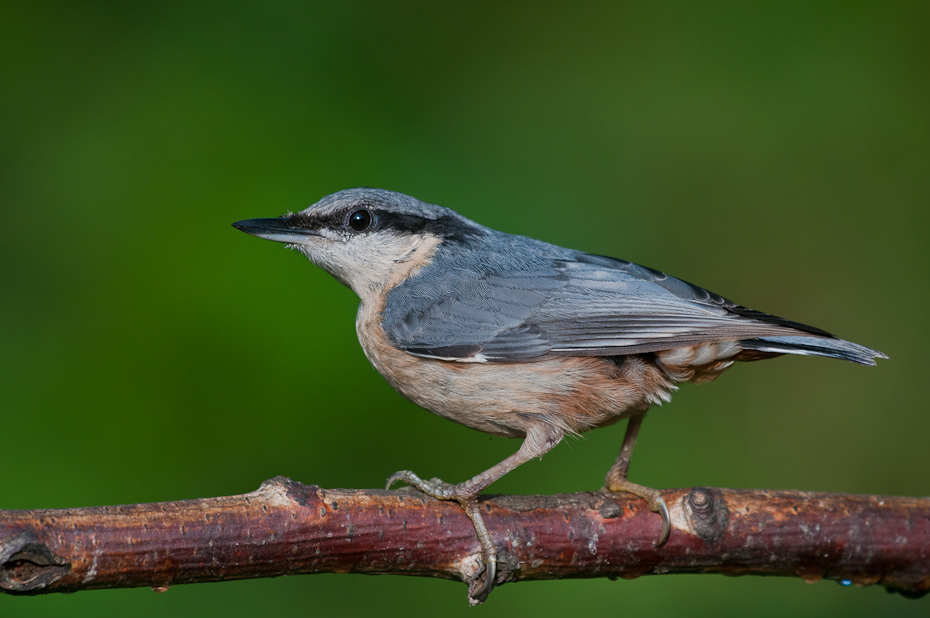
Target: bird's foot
x: 435, y: 488
x: 466, y: 495
x: 654, y: 501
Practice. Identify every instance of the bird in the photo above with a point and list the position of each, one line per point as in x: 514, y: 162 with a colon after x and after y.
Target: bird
x: 520, y: 338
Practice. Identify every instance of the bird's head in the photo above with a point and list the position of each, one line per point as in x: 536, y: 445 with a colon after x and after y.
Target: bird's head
x: 369, y: 239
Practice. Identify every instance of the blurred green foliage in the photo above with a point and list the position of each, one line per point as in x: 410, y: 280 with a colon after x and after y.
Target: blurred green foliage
x: 776, y: 153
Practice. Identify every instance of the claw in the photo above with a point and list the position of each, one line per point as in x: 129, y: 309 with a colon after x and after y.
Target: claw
x: 397, y: 477
x: 654, y: 501
x: 662, y: 509
x: 490, y: 572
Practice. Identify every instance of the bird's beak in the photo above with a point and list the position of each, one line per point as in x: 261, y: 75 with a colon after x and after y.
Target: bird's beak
x: 278, y: 230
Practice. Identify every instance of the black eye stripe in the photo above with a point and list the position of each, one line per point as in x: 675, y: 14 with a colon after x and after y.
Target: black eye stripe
x: 381, y: 219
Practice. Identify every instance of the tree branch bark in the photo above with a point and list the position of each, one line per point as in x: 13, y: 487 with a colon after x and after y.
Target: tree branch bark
x: 286, y: 528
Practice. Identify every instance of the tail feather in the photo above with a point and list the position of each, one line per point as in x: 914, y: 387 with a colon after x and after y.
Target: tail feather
x: 814, y: 346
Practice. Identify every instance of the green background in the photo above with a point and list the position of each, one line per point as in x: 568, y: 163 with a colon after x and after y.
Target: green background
x: 774, y: 153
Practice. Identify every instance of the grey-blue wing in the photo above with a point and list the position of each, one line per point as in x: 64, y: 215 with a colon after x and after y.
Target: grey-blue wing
x: 467, y: 314
x: 511, y: 309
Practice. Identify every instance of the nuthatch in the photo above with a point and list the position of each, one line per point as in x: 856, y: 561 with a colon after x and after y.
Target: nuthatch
x: 519, y: 338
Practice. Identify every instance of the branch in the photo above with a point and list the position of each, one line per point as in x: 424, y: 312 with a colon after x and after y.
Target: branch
x: 286, y: 528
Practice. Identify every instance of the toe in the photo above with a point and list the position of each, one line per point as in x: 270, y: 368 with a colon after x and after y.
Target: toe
x: 397, y: 477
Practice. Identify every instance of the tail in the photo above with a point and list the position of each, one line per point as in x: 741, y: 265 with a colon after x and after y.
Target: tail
x: 814, y: 346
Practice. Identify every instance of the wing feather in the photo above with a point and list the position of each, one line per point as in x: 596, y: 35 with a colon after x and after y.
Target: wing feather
x: 553, y: 301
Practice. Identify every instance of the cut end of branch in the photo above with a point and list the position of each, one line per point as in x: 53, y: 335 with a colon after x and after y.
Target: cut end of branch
x: 27, y: 565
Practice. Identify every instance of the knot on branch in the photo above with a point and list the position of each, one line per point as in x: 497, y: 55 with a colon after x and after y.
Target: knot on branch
x: 709, y: 513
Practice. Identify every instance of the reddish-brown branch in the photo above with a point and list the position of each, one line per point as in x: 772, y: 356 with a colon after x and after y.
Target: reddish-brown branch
x: 285, y: 528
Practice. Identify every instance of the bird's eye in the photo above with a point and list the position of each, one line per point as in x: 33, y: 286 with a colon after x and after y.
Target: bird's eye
x: 360, y: 220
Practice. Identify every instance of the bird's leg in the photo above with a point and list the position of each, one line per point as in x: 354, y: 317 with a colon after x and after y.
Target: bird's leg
x: 617, y: 478
x: 539, y: 440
